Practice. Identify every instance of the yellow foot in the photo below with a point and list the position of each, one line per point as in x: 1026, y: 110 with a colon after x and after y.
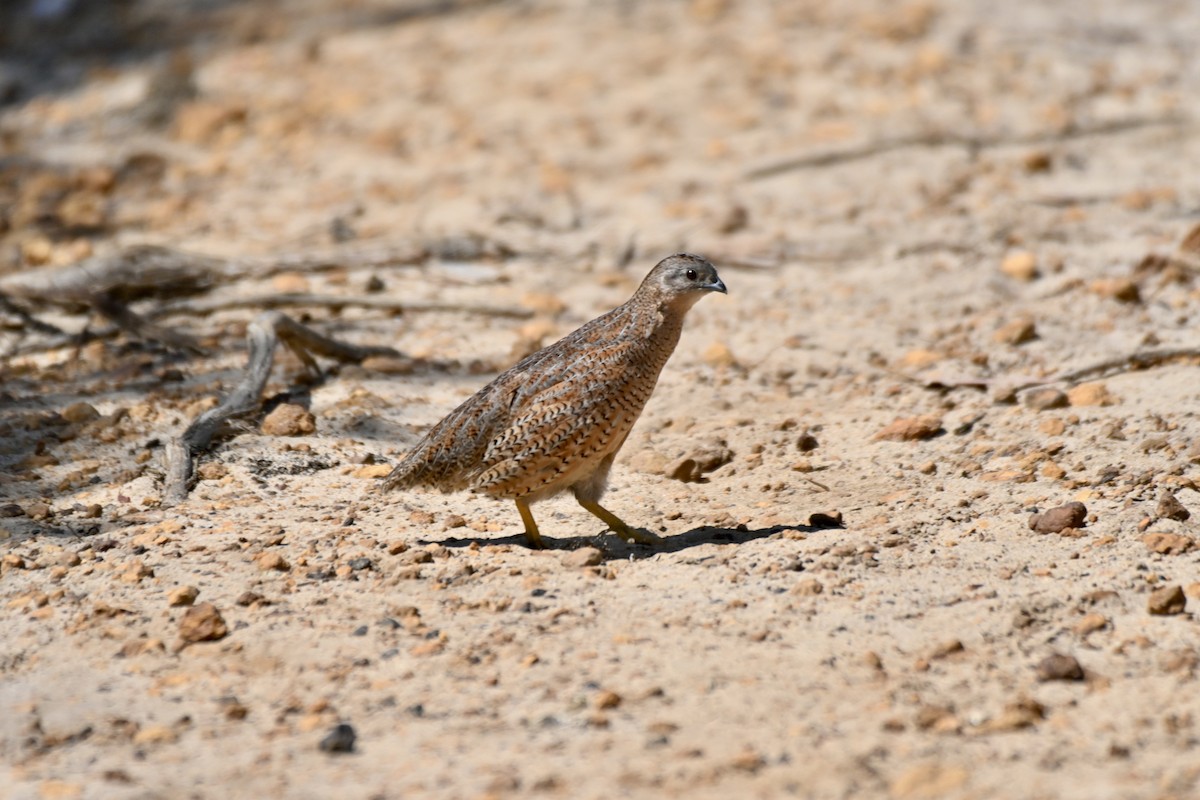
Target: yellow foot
x: 617, y: 526
x: 531, y: 528
x: 638, y: 535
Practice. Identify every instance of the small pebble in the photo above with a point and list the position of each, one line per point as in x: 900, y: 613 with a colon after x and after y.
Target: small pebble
x: 38, y: 511
x: 1059, y: 667
x: 1037, y: 161
x: 272, y: 561
x: 80, y: 412
x: 212, y: 471
x: 391, y: 365
x: 1046, y: 399
x: 1169, y: 544
x: 826, y: 520
x: 947, y: 648
x: 1167, y: 601
x: 1053, y: 426
x: 1056, y: 520
x: 1090, y: 394
x: 809, y: 587
x: 1016, y: 716
x: 1015, y: 333
x: 182, y: 596
x: 289, y: 419
x: 912, y: 429
x: 202, y: 623
x: 606, y: 700
x: 1090, y: 623
x: 748, y: 761
x: 693, y: 466
x: 13, y: 561
x: 1123, y: 290
x: 1169, y: 507
x: 155, y: 734
x: 583, y: 557
x: 1053, y: 471
x: 1020, y: 265
x: 339, y: 740
x: 718, y: 354
x: 233, y: 709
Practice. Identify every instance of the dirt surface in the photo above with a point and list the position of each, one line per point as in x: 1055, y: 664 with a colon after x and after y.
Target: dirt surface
x: 917, y: 209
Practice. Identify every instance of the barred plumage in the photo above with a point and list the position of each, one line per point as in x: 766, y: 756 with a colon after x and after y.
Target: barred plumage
x: 556, y: 420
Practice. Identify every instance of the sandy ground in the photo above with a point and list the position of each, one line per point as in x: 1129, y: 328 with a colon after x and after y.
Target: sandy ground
x: 916, y: 207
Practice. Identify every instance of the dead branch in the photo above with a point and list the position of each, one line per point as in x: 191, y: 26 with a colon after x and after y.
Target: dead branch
x: 202, y: 308
x: 1108, y: 367
x: 144, y: 271
x: 263, y: 336
x: 1006, y: 388
x: 948, y: 139
x: 134, y: 324
x: 27, y: 319
x: 129, y: 274
x: 106, y: 284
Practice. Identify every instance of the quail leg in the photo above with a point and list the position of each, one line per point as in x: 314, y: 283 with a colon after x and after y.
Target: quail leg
x: 618, y: 526
x: 531, y: 528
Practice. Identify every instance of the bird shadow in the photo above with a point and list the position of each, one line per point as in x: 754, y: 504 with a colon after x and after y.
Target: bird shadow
x: 613, y: 548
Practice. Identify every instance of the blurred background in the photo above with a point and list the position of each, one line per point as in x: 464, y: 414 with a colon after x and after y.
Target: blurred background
x: 569, y: 128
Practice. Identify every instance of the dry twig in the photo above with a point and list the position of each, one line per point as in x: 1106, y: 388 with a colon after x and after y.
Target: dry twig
x: 107, y: 284
x: 263, y: 336
x: 1110, y: 366
x: 200, y: 308
x: 1007, y: 387
x: 945, y: 139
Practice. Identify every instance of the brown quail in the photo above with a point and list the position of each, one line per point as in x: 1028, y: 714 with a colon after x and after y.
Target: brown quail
x: 556, y: 420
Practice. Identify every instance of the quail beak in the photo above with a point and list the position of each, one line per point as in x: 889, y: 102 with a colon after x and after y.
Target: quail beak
x: 716, y: 286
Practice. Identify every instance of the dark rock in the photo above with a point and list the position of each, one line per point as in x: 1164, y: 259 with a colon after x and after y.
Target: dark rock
x: 1167, y: 601
x: 692, y: 468
x: 583, y: 557
x: 339, y: 740
x: 1057, y: 520
x: 1046, y: 399
x: 912, y: 429
x: 826, y: 520
x: 1169, y: 507
x: 202, y: 623
x: 1059, y: 667
x: 249, y: 599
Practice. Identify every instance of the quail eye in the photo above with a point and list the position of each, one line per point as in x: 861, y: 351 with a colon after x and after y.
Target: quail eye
x: 691, y: 274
